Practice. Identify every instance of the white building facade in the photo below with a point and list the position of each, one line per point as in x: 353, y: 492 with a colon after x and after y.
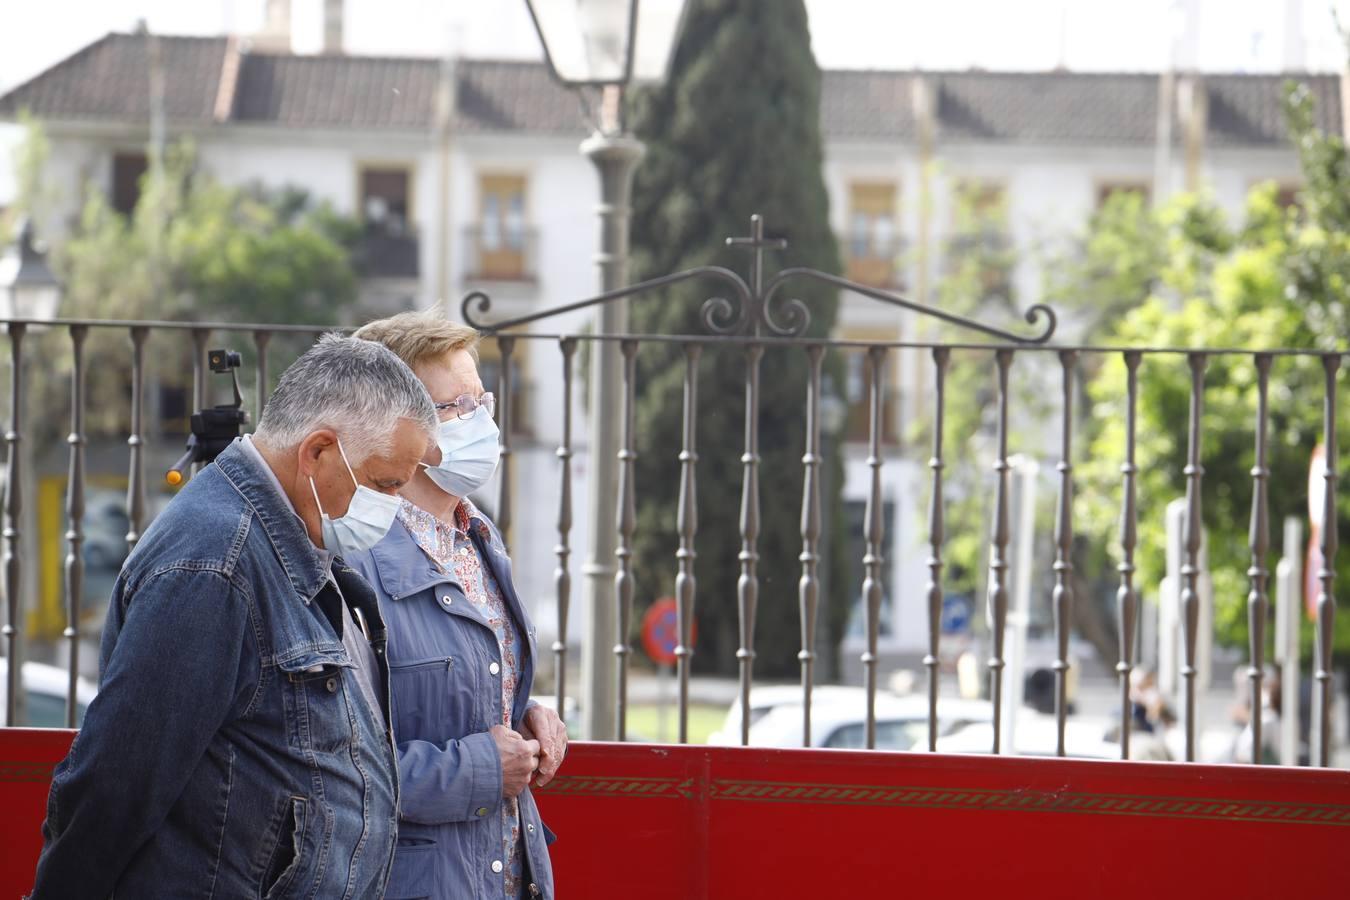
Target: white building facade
x: 468, y: 177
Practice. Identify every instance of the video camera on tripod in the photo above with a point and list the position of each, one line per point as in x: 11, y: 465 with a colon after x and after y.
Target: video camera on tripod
x: 214, y: 427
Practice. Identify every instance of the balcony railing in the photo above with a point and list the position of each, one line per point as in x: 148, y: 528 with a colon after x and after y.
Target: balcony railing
x: 383, y: 254
x: 500, y: 255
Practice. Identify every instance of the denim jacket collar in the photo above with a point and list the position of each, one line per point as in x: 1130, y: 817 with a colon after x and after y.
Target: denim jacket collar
x: 285, y: 531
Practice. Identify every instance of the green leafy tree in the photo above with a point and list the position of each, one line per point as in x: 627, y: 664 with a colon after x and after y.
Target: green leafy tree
x: 1276, y: 280
x: 734, y: 131
x: 192, y: 249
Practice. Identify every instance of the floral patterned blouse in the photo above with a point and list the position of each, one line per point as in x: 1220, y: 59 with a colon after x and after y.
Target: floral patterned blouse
x: 451, y: 547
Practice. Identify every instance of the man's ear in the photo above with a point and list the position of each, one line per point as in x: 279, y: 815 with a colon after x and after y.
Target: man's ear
x: 312, y: 448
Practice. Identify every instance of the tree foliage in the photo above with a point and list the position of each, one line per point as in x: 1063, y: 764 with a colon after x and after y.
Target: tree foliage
x: 1276, y: 279
x: 734, y: 131
x: 192, y: 250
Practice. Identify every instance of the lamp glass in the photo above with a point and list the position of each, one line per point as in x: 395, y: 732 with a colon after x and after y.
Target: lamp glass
x: 35, y: 301
x: 586, y: 40
x: 658, y: 26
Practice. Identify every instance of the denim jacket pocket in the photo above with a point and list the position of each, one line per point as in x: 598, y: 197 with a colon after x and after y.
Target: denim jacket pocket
x: 413, y: 876
x: 286, y: 857
x: 317, y: 715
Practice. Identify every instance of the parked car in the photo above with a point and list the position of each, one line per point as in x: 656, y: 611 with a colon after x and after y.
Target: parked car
x: 839, y: 719
x: 1037, y: 735
x: 45, y: 695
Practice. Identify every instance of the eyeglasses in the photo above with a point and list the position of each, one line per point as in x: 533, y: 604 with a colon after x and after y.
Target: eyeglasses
x: 466, y: 404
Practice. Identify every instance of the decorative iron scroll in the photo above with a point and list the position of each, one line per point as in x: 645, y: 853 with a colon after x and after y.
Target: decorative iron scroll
x: 752, y: 310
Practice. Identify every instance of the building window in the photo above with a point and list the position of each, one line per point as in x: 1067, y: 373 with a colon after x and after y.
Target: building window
x: 127, y: 171
x: 500, y: 241
x: 1107, y: 189
x: 386, y: 199
x: 388, y: 248
x: 872, y: 244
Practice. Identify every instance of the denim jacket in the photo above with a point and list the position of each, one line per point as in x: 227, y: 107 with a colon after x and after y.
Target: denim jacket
x: 443, y: 660
x: 229, y: 752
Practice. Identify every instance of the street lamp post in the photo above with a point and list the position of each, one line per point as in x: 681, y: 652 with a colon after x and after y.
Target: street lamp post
x: 606, y: 44
x: 28, y: 290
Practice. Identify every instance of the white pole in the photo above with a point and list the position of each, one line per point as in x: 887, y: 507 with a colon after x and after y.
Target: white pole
x: 1288, y: 610
x: 1024, y: 540
x: 1169, y: 620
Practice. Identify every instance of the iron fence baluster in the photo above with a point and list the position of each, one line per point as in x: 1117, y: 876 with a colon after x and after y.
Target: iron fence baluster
x: 997, y: 605
x: 1127, y: 598
x: 200, y: 338
x: 625, y: 522
x: 261, y: 339
x: 808, y: 586
x: 687, y: 523
x: 562, y: 579
x: 136, y: 440
x: 13, y: 512
x: 75, y: 497
x: 505, y: 346
x: 873, y: 531
x: 1062, y: 598
x: 1194, y: 530
x: 747, y: 585
x: 1323, y: 684
x: 936, y: 525
x: 1259, y: 541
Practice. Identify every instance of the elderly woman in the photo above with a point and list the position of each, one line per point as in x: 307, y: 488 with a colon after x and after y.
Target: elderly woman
x: 461, y: 650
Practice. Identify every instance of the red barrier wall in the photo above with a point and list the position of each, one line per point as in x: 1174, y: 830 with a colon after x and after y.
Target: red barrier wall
x: 675, y: 823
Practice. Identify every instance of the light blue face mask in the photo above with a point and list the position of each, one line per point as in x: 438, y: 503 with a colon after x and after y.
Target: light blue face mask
x: 369, y: 517
x: 470, y: 451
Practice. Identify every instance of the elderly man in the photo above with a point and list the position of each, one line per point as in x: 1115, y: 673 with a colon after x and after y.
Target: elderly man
x: 240, y: 743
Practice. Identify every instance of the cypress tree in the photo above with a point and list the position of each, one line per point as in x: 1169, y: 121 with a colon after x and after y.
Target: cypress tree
x: 734, y: 131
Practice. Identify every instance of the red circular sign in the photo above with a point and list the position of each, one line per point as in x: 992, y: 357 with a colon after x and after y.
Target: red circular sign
x: 661, y: 631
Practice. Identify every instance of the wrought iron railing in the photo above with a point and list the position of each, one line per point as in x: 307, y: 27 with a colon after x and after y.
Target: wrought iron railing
x: 755, y: 321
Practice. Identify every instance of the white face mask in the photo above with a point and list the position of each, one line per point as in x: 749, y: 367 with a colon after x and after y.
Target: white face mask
x: 470, y: 451
x: 369, y: 517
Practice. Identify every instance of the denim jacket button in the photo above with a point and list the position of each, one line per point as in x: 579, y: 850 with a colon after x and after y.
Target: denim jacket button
x: 331, y: 684
x: 481, y: 811
x: 445, y: 598
x: 530, y: 827
x: 494, y: 668
x: 497, y: 866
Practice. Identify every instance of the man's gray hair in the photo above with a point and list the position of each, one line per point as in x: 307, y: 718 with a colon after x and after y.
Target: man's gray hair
x: 357, y: 388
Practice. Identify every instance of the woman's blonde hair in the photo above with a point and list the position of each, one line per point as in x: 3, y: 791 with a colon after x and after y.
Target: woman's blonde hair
x: 421, y: 336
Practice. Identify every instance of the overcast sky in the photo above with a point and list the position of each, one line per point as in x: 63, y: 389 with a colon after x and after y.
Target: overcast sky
x: 1233, y: 35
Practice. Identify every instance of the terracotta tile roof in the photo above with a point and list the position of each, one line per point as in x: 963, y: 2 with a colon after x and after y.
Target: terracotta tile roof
x: 109, y: 81
x: 1048, y: 107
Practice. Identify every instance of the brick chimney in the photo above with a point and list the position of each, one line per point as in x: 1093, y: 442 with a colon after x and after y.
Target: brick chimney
x: 332, y: 26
